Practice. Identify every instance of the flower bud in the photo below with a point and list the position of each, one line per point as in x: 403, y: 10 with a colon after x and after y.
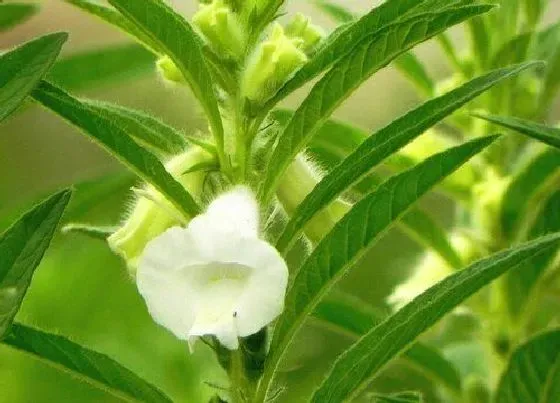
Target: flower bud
x: 273, y: 64
x: 154, y: 214
x: 169, y: 70
x: 298, y: 181
x: 222, y: 29
x: 301, y: 28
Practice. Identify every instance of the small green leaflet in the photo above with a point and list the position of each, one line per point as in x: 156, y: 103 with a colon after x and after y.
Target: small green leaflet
x: 22, y: 247
x: 116, y: 140
x: 525, y: 186
x: 386, y: 142
x: 146, y: 130
x: 336, y: 11
x: 354, y: 318
x: 368, y: 56
x: 113, y: 64
x: 354, y: 368
x: 95, y: 232
x: 175, y: 37
x: 93, y: 368
x: 22, y: 68
x: 545, y: 134
x: 533, y: 373
x: 15, y: 13
x: 351, y: 238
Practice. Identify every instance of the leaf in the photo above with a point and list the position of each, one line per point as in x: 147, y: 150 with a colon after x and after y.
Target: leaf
x: 175, y: 37
x: 367, y: 57
x: 95, y: 232
x: 524, y: 187
x: 351, y: 238
x: 341, y: 42
x: 355, y: 318
x: 545, y: 134
x: 401, y: 397
x: 14, y: 14
x: 112, y: 17
x: 354, y: 368
x: 337, y: 12
x: 108, y: 65
x: 412, y: 68
x: 95, y: 369
x: 118, y: 142
x: 146, y: 130
x: 22, y: 68
x: 22, y: 247
x: 533, y: 373
x: 384, y: 143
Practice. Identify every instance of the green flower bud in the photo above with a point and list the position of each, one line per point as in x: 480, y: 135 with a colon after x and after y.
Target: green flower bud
x: 169, y: 70
x: 274, y: 62
x: 154, y: 214
x: 301, y: 28
x: 222, y: 28
x: 298, y: 181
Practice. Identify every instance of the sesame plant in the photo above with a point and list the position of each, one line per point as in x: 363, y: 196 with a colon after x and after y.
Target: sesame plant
x: 238, y: 236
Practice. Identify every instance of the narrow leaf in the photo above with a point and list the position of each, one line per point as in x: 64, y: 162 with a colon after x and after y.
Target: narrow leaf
x: 14, y: 14
x: 370, y: 55
x: 92, y: 68
x: 146, y: 130
x: 116, y: 140
x: 412, y: 68
x: 22, y: 247
x: 355, y: 318
x: 401, y: 397
x: 384, y: 143
x: 95, y: 369
x: 545, y: 134
x: 353, y: 369
x: 175, y: 37
x: 22, y: 68
x: 95, y: 232
x: 533, y: 373
x: 353, y: 235
x: 337, y: 12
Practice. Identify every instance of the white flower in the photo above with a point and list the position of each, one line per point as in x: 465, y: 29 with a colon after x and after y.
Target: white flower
x: 214, y: 277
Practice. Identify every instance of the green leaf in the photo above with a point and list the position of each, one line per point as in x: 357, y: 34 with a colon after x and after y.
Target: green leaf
x: 339, y: 44
x: 354, y: 368
x: 95, y: 369
x: 15, y: 13
x: 175, y: 37
x: 401, y: 397
x: 534, y: 10
x: 355, y: 318
x: 116, y: 140
x: 146, y: 130
x: 412, y: 68
x: 370, y: 55
x: 351, y: 238
x: 545, y: 134
x: 384, y: 143
x: 525, y: 186
x: 22, y: 247
x: 108, y: 65
x: 533, y: 373
x: 95, y: 232
x: 337, y: 12
x: 22, y: 68
x: 112, y: 17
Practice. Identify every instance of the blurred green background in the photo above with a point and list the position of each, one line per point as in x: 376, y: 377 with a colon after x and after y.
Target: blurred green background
x: 82, y: 291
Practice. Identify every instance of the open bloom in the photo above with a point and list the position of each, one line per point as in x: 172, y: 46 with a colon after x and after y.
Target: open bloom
x: 216, y: 276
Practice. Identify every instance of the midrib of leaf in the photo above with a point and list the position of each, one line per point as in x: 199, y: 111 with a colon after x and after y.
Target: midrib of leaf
x: 386, y: 141
x: 397, y: 333
x: 336, y: 244
x: 370, y: 55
